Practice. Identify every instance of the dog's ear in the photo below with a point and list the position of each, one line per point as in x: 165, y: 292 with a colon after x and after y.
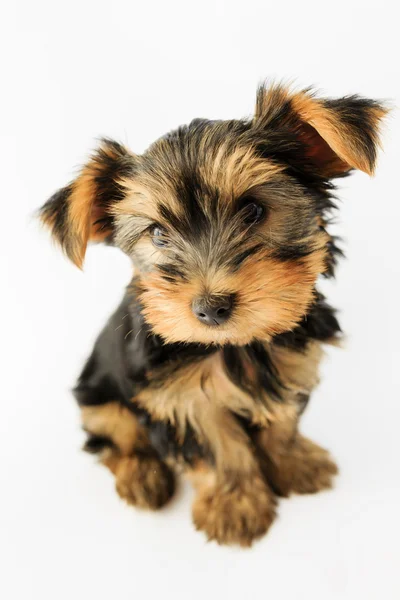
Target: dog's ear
x: 82, y: 211
x: 338, y: 135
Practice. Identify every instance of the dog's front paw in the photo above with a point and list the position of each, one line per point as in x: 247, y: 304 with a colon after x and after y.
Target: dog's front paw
x: 307, y: 469
x: 145, y: 482
x: 238, y: 515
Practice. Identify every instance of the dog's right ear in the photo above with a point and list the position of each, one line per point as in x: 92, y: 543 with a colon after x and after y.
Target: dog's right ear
x: 337, y: 135
x: 82, y: 211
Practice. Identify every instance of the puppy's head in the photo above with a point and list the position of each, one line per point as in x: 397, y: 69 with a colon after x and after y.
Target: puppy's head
x: 224, y: 220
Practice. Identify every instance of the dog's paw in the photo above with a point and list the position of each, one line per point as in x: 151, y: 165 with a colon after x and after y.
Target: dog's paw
x: 145, y: 482
x: 238, y: 515
x: 307, y: 469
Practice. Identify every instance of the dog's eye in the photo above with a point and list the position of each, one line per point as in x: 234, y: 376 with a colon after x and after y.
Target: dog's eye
x: 158, y: 237
x: 252, y: 213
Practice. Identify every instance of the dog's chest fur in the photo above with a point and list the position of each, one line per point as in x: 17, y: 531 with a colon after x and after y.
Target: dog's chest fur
x: 188, y: 394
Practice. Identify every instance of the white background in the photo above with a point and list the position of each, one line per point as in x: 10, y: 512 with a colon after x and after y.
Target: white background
x: 72, y: 71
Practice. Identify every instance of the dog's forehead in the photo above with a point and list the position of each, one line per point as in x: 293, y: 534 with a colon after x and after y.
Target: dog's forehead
x: 212, y: 159
x: 213, y: 130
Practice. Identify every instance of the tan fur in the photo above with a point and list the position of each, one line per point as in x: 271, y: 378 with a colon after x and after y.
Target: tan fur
x: 272, y: 297
x: 141, y: 478
x: 80, y: 214
x: 298, y: 370
x: 337, y: 134
x: 259, y: 243
x: 224, y: 168
x: 231, y: 514
x: 237, y: 514
x: 203, y: 396
x: 139, y: 201
x: 83, y: 209
x: 239, y: 170
x: 343, y: 150
x: 192, y: 392
x: 227, y: 172
x: 117, y: 423
x: 293, y: 463
x: 226, y: 164
x: 144, y: 481
x: 234, y: 503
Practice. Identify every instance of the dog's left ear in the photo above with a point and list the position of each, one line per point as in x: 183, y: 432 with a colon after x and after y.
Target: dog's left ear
x: 338, y: 135
x: 82, y: 211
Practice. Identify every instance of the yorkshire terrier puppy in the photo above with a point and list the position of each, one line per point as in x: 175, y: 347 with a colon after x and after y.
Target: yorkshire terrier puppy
x: 208, y: 363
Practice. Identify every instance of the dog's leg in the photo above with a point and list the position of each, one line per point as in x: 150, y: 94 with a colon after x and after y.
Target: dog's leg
x: 290, y: 461
x: 115, y: 434
x: 234, y: 504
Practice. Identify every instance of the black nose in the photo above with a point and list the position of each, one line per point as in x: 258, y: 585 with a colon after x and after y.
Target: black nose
x: 213, y: 310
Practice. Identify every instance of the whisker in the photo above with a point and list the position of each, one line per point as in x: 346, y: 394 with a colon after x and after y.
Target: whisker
x: 139, y: 332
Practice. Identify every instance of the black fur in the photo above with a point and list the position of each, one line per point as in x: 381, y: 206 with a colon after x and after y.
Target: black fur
x: 356, y: 113
x: 181, y: 212
x: 319, y: 324
x: 126, y: 351
x: 97, y: 443
x: 256, y: 355
x: 56, y: 211
x: 276, y: 141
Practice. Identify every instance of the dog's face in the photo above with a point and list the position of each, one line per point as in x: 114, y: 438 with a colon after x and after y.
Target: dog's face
x: 227, y: 243
x: 224, y: 220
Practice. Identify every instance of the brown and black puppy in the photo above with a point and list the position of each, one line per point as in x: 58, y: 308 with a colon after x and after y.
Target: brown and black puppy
x: 210, y: 359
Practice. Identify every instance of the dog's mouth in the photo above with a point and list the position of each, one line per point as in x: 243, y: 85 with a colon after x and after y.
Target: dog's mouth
x: 261, y: 301
x: 220, y: 331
